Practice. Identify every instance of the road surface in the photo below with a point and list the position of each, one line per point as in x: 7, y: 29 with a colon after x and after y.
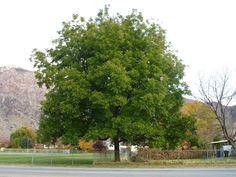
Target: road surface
x: 24, y: 171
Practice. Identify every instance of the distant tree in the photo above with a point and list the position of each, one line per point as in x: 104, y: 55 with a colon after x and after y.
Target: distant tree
x: 207, y: 127
x: 217, y: 93
x: 85, y: 145
x: 112, y: 77
x: 22, y: 138
x: 26, y: 142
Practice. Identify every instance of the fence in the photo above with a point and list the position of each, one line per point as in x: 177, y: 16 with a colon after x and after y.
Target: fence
x: 47, y: 151
x: 146, y: 154
x: 70, y: 158
x: 153, y: 154
x: 52, y: 157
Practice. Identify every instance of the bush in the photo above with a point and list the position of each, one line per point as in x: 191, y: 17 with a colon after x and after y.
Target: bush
x: 99, y: 146
x: 4, y: 144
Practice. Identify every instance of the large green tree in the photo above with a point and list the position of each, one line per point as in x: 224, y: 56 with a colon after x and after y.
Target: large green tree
x: 112, y: 77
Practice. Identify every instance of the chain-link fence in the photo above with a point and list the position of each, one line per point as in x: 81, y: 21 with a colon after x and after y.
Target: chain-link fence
x: 52, y: 157
x: 147, y: 154
x: 153, y: 154
x: 77, y: 158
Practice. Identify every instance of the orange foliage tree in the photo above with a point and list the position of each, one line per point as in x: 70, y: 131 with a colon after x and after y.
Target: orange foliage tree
x: 85, y: 145
x: 207, y: 127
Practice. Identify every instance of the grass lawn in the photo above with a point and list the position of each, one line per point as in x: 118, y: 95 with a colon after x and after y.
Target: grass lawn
x: 103, y: 160
x: 52, y: 158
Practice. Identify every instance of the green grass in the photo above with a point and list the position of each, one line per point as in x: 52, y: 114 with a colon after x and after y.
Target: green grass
x: 103, y: 160
x: 49, y: 159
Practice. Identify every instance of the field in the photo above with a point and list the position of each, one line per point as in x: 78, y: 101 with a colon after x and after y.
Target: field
x: 54, y: 159
x: 104, y: 160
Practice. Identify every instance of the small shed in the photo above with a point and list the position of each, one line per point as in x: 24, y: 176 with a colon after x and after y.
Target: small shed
x: 220, y: 143
x: 222, y: 148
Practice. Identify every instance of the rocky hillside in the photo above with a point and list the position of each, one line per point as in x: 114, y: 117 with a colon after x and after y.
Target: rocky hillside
x: 230, y: 112
x: 20, y: 99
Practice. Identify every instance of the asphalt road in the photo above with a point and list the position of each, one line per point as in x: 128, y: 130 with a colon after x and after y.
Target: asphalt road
x: 23, y: 171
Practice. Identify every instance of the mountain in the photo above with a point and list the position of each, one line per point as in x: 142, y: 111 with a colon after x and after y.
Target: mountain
x: 20, y: 99
x: 230, y: 111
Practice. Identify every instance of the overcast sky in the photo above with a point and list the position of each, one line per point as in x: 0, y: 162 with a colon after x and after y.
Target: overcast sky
x: 202, y: 31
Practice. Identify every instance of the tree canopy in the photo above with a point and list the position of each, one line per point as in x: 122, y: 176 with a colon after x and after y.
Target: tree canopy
x: 112, y: 77
x: 23, y: 137
x: 207, y: 127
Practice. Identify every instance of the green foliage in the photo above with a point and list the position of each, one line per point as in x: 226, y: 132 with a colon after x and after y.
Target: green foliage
x: 112, y: 77
x: 22, y: 138
x: 26, y: 142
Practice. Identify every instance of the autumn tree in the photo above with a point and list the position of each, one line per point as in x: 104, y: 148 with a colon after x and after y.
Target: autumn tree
x: 217, y: 93
x: 85, y: 145
x: 207, y: 127
x: 22, y: 138
x: 112, y: 77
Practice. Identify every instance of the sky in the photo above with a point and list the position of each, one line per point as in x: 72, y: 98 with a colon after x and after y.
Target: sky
x: 203, y: 32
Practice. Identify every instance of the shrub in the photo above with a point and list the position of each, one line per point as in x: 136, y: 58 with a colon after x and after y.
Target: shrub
x: 99, y: 145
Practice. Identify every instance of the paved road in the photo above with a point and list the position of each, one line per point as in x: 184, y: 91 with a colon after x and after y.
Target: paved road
x: 22, y: 171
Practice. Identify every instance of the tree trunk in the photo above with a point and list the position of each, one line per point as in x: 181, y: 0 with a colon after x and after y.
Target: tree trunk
x: 117, y: 149
x: 231, y: 142
x: 228, y: 137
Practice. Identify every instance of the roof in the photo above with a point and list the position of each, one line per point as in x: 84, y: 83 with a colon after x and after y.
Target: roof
x: 218, y: 142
